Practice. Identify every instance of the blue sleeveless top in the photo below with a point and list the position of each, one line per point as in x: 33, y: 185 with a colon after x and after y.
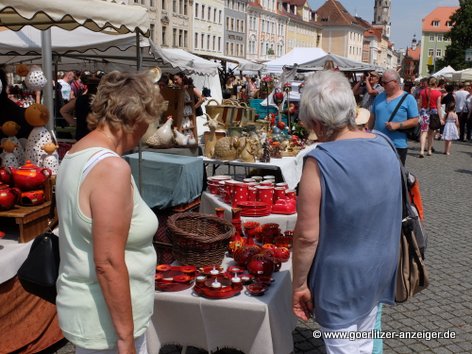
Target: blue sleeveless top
x: 360, y: 219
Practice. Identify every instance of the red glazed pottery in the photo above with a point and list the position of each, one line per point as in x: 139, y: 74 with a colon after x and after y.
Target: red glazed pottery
x: 265, y: 194
x: 29, y: 176
x: 8, y: 197
x: 240, y: 193
x: 256, y: 289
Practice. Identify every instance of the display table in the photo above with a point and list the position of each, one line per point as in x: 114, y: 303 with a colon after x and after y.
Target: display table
x: 209, y: 202
x: 251, y: 324
x: 290, y: 167
x: 167, y: 180
x: 31, y: 220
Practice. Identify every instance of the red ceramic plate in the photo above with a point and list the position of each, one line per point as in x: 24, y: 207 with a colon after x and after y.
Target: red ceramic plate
x: 188, y: 269
x: 234, y: 269
x: 163, y: 267
x: 224, y: 292
x: 252, y: 204
x: 256, y: 213
x: 207, y: 269
x: 182, y: 278
x: 172, y: 287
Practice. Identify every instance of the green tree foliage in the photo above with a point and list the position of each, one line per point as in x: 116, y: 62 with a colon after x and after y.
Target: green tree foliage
x: 460, y: 36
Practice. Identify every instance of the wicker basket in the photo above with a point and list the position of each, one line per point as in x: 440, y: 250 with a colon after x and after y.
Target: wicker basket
x: 199, y: 239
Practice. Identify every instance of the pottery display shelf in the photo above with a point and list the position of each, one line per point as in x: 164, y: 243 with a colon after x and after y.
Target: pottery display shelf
x: 30, y: 220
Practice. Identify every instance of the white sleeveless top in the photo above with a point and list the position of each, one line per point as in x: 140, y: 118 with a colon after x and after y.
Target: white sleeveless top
x: 82, y: 311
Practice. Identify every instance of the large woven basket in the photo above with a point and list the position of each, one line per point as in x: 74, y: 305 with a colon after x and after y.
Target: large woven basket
x: 199, y: 239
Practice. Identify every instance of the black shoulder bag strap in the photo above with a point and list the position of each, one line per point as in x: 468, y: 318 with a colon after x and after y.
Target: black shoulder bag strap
x: 397, y: 108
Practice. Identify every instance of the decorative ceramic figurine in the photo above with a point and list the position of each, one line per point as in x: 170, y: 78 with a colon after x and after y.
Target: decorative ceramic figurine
x: 10, y: 129
x: 51, y: 158
x: 8, y: 157
x: 180, y: 139
x: 210, y: 143
x: 226, y: 148
x: 248, y: 149
x: 37, y: 115
x: 163, y: 136
x: 36, y: 80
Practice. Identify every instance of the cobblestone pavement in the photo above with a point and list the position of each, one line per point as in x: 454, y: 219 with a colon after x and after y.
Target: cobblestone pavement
x: 446, y: 186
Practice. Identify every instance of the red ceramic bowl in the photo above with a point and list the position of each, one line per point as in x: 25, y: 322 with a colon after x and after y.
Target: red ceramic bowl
x: 163, y: 267
x: 256, y: 289
x: 182, y: 278
x: 188, y: 269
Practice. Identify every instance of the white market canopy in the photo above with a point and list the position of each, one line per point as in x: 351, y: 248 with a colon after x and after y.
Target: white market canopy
x: 341, y: 63
x: 96, y: 15
x: 83, y: 49
x: 295, y: 56
x: 445, y: 72
x: 463, y: 75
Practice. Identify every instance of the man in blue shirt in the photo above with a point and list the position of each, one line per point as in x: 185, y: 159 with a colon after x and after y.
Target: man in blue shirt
x: 383, y: 107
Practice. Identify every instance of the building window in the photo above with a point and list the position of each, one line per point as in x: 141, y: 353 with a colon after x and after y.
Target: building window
x: 209, y: 13
x: 151, y: 3
x: 164, y: 30
x: 186, y: 39
x: 431, y: 38
x: 174, y: 5
x: 152, y: 29
x: 214, y: 43
x: 219, y: 44
x: 174, y: 37
x: 440, y: 37
x: 449, y: 23
x: 227, y: 23
x: 438, y: 53
x: 203, y: 12
x: 214, y: 15
x: 435, y: 23
x: 208, y: 42
x: 202, y: 40
x: 196, y: 9
x: 195, y: 44
x: 430, y: 52
x: 163, y: 4
x: 181, y: 38
x: 185, y: 8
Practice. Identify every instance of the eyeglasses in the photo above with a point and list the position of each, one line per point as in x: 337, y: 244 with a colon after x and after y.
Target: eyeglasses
x: 386, y: 82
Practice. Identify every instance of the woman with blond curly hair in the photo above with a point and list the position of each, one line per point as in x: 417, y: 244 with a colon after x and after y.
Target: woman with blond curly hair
x: 105, y: 288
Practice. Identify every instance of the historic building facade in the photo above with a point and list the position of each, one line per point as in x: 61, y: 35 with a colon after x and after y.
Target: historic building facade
x: 208, y: 27
x: 235, y: 28
x: 302, y: 29
x: 433, y: 44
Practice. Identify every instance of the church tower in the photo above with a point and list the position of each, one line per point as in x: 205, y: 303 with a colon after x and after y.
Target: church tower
x: 382, y: 15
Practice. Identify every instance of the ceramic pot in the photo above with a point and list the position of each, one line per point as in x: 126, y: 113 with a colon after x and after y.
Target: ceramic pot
x: 8, y: 197
x: 29, y: 176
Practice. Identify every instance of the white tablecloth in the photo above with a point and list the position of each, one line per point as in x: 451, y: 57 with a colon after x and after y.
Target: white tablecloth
x: 12, y: 256
x: 209, y: 202
x: 254, y: 325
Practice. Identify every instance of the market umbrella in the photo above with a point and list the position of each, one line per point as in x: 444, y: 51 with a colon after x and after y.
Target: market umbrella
x: 96, y: 15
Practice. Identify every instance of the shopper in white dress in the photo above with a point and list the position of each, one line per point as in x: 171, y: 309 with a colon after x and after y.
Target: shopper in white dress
x: 451, y: 131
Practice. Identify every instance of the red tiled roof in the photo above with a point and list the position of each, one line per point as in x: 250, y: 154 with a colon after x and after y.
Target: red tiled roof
x: 334, y: 13
x: 374, y: 32
x: 414, y: 54
x: 440, y: 14
x: 254, y: 4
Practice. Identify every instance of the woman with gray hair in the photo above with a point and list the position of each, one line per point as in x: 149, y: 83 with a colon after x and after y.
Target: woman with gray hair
x: 346, y: 243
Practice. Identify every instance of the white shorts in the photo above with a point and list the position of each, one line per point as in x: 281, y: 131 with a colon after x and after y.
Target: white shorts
x: 348, y: 346
x: 140, y: 344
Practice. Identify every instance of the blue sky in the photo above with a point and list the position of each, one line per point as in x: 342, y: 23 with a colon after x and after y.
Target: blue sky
x: 406, y: 15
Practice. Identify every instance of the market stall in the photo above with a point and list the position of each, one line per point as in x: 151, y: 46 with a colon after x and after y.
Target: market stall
x: 168, y: 180
x: 252, y: 324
